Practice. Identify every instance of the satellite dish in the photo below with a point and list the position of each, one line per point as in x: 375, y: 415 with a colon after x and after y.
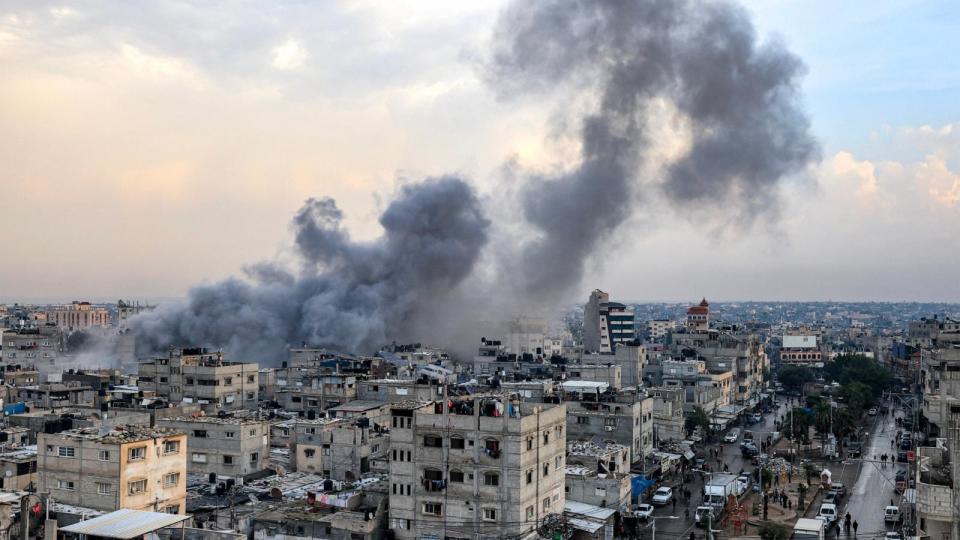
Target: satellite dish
x: 8, y: 474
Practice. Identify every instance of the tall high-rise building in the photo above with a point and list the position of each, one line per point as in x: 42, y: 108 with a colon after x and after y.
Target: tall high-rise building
x: 606, y: 324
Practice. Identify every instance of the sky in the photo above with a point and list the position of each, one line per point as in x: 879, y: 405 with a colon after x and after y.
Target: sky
x: 149, y: 147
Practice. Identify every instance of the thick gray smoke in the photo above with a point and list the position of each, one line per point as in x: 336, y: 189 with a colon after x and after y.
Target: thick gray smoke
x: 350, y: 296
x: 740, y: 98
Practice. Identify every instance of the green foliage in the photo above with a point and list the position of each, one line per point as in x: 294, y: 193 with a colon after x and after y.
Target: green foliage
x: 771, y: 530
x: 767, y: 477
x: 797, y: 423
x: 793, y: 377
x: 849, y: 368
x: 698, y: 418
x: 858, y: 397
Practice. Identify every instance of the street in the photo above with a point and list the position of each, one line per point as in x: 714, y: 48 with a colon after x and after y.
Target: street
x: 874, y: 489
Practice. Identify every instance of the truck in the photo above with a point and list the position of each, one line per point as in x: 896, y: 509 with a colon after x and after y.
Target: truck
x: 809, y: 529
x: 718, y: 489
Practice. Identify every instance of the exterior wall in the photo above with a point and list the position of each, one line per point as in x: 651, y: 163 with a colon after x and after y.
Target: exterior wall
x: 629, y: 424
x: 606, y: 373
x: 529, y: 467
x: 104, y: 484
x: 300, y: 389
x: 227, y: 447
x: 341, y: 451
x: 40, y: 346
x: 195, y: 376
x: 78, y: 316
x: 611, y: 491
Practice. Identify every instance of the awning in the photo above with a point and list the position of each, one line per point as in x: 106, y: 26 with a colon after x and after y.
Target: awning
x: 585, y: 525
x: 125, y: 524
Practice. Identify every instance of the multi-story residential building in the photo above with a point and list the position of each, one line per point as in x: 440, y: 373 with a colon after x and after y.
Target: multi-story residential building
x: 57, y: 395
x: 475, y: 466
x: 606, y: 373
x: 606, y: 324
x: 234, y: 447
x: 598, y: 474
x: 40, y: 346
x: 625, y: 418
x: 196, y: 375
x: 338, y: 449
x: 934, y: 332
x: 107, y: 469
x: 657, y: 329
x: 78, y: 315
x: 668, y: 419
x: 309, y: 389
x: 18, y: 469
x: 524, y: 335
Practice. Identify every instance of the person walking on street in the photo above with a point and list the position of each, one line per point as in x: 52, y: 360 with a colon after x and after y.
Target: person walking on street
x: 855, y: 525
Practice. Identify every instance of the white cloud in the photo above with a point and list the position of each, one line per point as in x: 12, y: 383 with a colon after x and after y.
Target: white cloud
x: 288, y: 56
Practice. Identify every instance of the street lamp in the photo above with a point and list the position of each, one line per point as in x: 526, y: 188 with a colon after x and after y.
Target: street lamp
x: 653, y: 525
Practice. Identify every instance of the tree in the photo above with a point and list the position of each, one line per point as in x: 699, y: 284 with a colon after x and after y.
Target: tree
x: 849, y: 368
x: 797, y: 425
x: 794, y: 377
x: 698, y: 418
x: 771, y: 530
x: 858, y: 397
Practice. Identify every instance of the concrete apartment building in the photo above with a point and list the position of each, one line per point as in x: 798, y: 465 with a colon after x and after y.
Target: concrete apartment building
x: 78, y: 316
x: 606, y: 324
x: 668, y: 419
x: 57, y: 395
x: 197, y: 375
x: 338, y: 449
x: 657, y: 329
x: 625, y: 418
x: 38, y: 346
x: 18, y: 469
x: 605, y: 373
x: 475, y: 466
x: 311, y: 389
x: 800, y: 350
x: 229, y: 447
x: 127, y: 309
x: 598, y: 474
x: 108, y: 469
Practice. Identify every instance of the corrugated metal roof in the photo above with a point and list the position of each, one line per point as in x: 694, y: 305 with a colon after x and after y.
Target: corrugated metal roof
x: 125, y: 523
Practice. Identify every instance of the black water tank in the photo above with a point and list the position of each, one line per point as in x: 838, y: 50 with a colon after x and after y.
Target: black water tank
x: 104, y: 407
x: 311, y: 415
x: 213, y: 478
x: 230, y: 482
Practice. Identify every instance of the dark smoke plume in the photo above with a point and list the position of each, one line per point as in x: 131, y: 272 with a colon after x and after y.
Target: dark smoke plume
x: 350, y: 296
x: 740, y: 98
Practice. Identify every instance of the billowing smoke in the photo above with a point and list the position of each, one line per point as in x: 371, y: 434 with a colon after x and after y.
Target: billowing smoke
x: 350, y: 296
x: 618, y: 61
x: 740, y: 99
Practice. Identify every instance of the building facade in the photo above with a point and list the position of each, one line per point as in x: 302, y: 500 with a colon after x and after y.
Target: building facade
x: 231, y: 447
x: 196, y: 375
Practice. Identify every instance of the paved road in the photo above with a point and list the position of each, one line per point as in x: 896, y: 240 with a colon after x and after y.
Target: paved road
x: 874, y: 489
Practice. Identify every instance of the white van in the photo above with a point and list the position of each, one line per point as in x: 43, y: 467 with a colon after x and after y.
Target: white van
x: 891, y: 514
x: 732, y: 436
x: 828, y: 512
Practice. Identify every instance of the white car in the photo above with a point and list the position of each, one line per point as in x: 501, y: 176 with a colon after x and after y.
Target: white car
x: 872, y: 411
x: 662, y: 496
x: 643, y: 512
x: 732, y: 436
x: 891, y: 514
x: 743, y: 484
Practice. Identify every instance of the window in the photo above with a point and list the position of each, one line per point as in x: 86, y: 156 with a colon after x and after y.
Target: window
x: 66, y: 484
x: 230, y: 434
x: 530, y: 476
x: 546, y: 437
x: 546, y: 504
x: 66, y: 451
x: 558, y: 462
x: 432, y: 441
x: 227, y: 459
x: 433, y: 508
x: 254, y: 458
x: 529, y: 443
x: 171, y: 479
x: 171, y: 447
x: 546, y: 469
x: 489, y: 514
x: 456, y: 476
x: 529, y: 513
x: 309, y: 453
x: 491, y: 479
x: 103, y: 488
x: 583, y: 420
x: 456, y: 443
x: 610, y: 422
x: 172, y: 509
x: 251, y: 379
x: 103, y: 455
x: 227, y: 381
x: 201, y: 433
x: 251, y: 395
x: 138, y: 453
x: 199, y: 458
x: 137, y: 486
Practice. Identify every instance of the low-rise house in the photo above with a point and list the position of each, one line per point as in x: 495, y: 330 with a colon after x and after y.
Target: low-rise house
x: 225, y: 446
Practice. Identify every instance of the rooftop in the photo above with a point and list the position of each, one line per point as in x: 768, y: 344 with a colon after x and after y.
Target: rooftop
x: 359, y: 405
x: 124, y: 523
x: 226, y: 420
x: 120, y: 435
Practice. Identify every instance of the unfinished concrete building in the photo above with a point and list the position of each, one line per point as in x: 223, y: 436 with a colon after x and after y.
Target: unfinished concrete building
x: 622, y: 417
x: 228, y: 446
x: 340, y: 449
x: 475, y: 466
x: 197, y: 375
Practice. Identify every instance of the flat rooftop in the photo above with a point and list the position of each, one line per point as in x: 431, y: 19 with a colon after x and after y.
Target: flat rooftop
x: 119, y: 435
x: 359, y: 405
x: 227, y: 420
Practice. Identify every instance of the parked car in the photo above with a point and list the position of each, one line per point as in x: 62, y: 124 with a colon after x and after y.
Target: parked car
x: 662, y: 496
x: 906, y: 443
x: 732, y: 436
x: 831, y: 498
x: 749, y: 449
x: 743, y: 484
x: 839, y: 489
x: 643, y: 512
x: 891, y: 514
x: 892, y: 536
x: 901, y: 481
x: 828, y: 512
x: 902, y: 456
x: 872, y: 411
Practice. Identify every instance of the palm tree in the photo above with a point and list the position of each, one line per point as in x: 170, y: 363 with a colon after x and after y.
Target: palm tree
x: 698, y: 418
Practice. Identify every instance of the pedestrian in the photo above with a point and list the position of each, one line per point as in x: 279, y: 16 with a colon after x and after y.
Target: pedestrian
x: 855, y: 525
